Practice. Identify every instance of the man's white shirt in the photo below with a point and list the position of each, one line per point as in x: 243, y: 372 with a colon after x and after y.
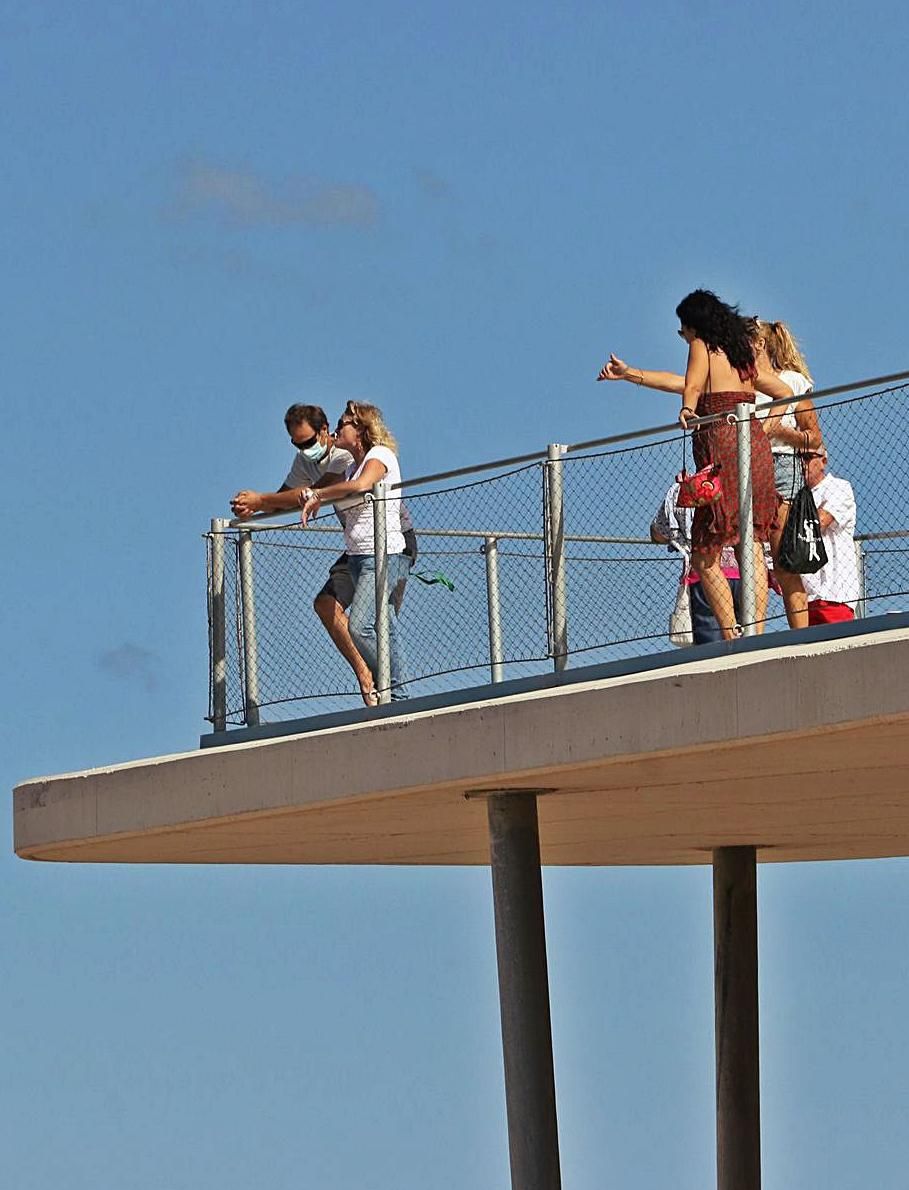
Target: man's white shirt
x: 838, y: 581
x: 304, y: 472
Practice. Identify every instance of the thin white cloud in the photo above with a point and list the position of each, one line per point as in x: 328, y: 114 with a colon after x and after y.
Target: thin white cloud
x: 243, y: 196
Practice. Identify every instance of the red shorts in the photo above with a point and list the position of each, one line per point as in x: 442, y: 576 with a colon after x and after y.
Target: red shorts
x: 821, y: 611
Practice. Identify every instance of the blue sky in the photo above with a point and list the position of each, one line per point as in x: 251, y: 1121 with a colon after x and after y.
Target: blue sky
x: 211, y: 210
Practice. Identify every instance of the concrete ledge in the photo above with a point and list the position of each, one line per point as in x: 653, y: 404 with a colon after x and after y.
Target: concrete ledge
x: 800, y: 748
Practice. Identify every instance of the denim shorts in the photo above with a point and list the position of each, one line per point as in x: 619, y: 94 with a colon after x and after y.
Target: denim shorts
x: 340, y: 585
x: 787, y: 472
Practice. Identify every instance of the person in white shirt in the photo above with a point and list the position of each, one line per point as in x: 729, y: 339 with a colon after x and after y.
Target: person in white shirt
x: 316, y: 455
x: 793, y: 430
x: 835, y: 589
x: 362, y: 431
x: 318, y: 458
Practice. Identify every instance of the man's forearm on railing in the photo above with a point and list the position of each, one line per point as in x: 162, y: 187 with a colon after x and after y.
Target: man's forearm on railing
x: 247, y: 502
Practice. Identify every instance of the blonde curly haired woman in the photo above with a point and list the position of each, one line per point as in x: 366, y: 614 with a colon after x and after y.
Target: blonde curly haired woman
x: 794, y: 432
x: 362, y: 431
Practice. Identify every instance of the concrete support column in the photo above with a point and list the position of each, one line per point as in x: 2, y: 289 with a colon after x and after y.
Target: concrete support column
x: 738, y: 1112
x: 517, y: 888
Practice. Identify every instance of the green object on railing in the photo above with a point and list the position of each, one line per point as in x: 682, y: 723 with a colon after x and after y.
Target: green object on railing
x: 431, y: 579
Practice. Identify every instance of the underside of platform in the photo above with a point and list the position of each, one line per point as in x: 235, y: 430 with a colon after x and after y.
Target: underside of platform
x: 801, y: 750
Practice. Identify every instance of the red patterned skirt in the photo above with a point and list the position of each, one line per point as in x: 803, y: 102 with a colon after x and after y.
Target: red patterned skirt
x: 717, y: 524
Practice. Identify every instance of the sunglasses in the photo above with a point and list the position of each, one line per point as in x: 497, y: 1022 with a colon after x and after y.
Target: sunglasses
x: 306, y: 443
x: 345, y: 421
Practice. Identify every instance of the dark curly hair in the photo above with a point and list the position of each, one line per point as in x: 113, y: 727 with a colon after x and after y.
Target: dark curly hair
x: 721, y: 327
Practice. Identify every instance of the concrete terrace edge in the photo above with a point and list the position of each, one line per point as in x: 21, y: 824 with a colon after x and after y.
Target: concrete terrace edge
x: 729, y: 700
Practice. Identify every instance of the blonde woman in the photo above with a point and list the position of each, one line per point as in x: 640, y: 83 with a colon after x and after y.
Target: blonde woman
x: 362, y: 431
x: 793, y: 431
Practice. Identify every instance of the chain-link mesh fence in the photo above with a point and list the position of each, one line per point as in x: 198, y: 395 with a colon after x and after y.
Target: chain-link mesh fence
x: 867, y: 444
x: 619, y: 587
x: 443, y: 619
x: 447, y: 622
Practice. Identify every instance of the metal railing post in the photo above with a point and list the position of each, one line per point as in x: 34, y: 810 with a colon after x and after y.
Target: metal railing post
x: 496, y: 655
x: 218, y: 622
x: 380, y: 535
x: 250, y: 643
x: 555, y: 536
x: 743, y: 412
x: 860, y: 565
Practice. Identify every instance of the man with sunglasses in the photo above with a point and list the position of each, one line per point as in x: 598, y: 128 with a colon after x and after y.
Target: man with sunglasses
x: 318, y: 461
x: 315, y: 457
x: 836, y: 588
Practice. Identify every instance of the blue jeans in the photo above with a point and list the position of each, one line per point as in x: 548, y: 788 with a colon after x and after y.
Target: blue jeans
x: 362, y: 623
x: 704, y: 627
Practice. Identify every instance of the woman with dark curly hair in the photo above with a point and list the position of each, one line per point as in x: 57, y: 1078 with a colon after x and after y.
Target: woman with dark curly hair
x: 722, y: 372
x: 724, y: 368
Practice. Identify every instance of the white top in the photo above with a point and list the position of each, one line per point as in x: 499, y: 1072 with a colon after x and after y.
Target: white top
x: 800, y: 385
x: 304, y: 472
x: 358, y: 526
x: 838, y: 581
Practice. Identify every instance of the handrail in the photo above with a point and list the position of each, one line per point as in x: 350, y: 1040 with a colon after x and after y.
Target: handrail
x: 614, y: 439
x: 506, y: 534
x: 499, y: 534
x: 611, y: 440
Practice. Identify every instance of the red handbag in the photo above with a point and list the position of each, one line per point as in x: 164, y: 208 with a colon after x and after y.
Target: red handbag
x: 703, y: 487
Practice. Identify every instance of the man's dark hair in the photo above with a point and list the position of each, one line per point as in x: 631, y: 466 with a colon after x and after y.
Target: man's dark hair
x: 313, y: 415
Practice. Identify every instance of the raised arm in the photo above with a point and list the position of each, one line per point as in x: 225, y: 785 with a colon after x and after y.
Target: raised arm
x: 666, y: 382
x: 695, y: 380
x: 770, y: 384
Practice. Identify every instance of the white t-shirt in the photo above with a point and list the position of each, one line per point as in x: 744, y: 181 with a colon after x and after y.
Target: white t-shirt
x: 800, y: 385
x: 358, y: 523
x: 304, y: 472
x: 838, y: 581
